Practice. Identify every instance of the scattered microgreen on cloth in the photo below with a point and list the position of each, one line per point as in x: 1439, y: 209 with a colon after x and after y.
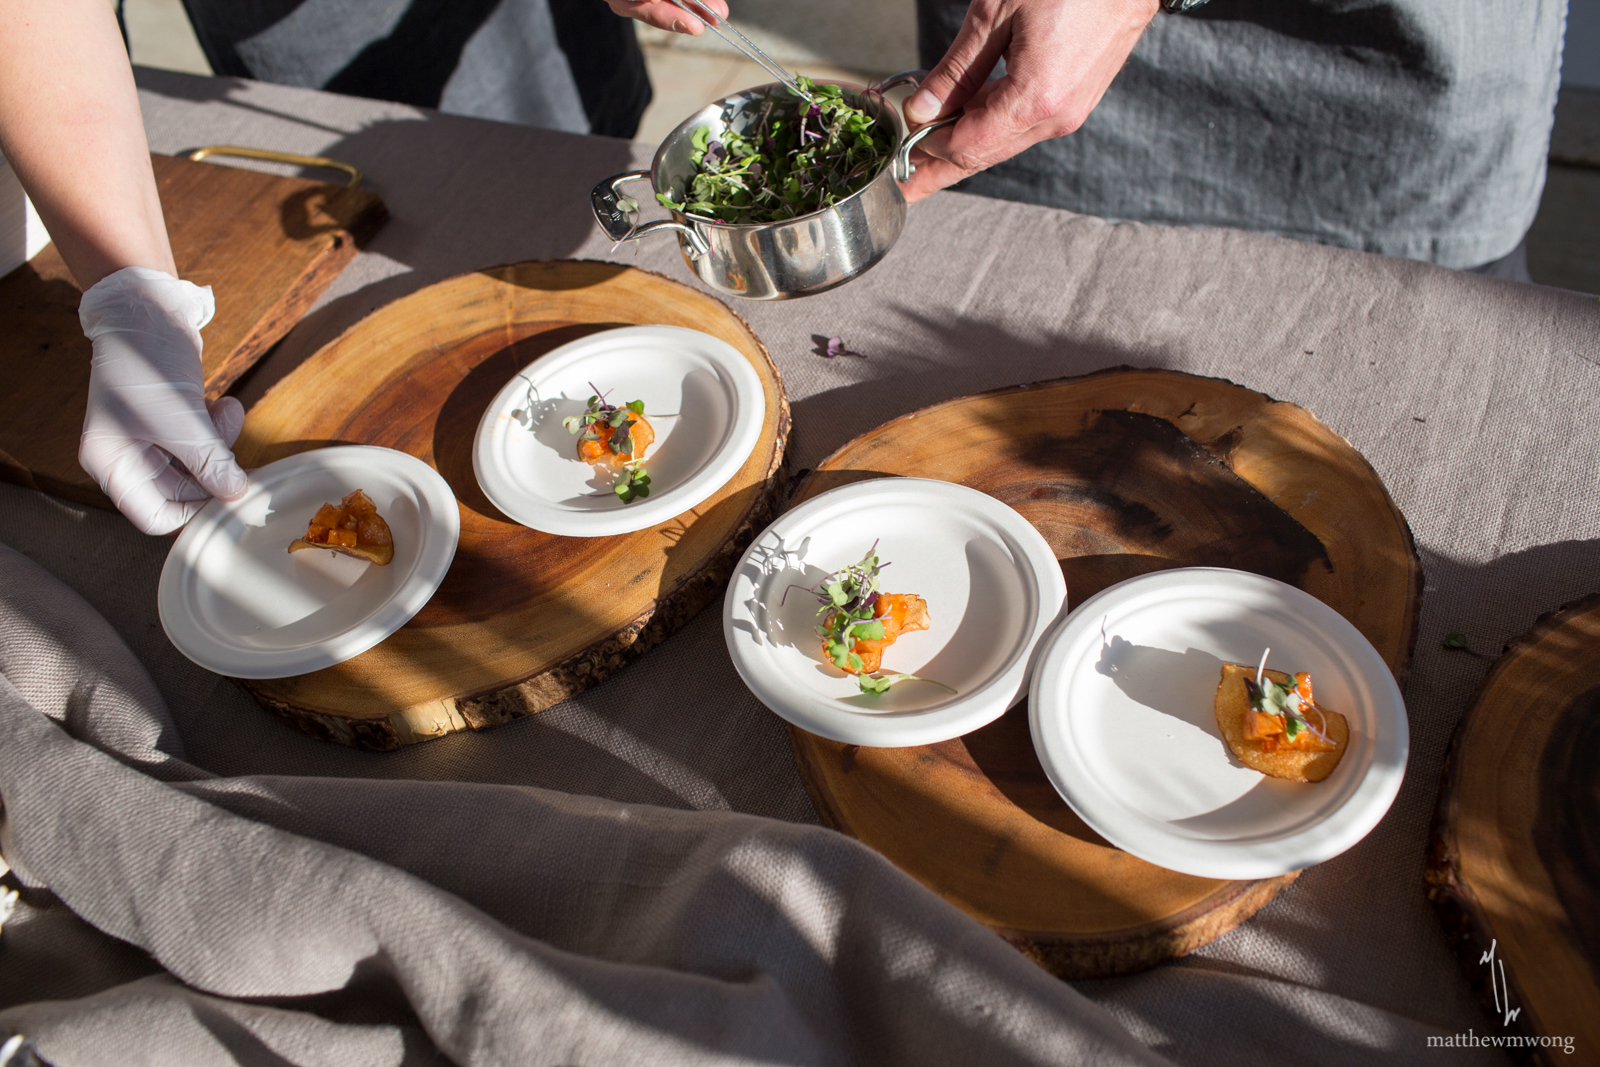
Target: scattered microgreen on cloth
x: 836, y: 347
x: 1456, y: 641
x: 795, y: 158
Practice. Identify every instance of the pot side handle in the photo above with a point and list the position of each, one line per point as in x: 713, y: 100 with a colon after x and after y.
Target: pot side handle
x: 616, y: 222
x: 903, y: 167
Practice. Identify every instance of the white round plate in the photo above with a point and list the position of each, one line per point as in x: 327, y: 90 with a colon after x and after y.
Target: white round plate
x: 1121, y: 710
x: 702, y: 397
x: 992, y: 584
x: 234, y: 600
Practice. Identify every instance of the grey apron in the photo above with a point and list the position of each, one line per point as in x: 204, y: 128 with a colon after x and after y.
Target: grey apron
x: 1415, y: 128
x: 561, y: 64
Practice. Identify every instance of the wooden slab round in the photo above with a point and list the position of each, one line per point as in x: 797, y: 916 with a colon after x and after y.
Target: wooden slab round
x: 1124, y: 472
x: 523, y: 619
x: 1514, y: 867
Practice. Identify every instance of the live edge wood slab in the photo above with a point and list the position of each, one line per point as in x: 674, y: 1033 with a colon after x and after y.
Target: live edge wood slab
x: 523, y: 619
x: 1514, y: 863
x: 268, y: 247
x: 1124, y: 472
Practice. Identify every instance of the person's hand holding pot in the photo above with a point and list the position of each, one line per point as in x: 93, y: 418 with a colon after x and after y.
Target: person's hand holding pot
x: 1060, y: 55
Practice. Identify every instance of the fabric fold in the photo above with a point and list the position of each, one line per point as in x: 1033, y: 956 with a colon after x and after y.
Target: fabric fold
x: 515, y: 925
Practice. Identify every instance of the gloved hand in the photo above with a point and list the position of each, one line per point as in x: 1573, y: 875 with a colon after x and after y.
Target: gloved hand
x: 150, y: 438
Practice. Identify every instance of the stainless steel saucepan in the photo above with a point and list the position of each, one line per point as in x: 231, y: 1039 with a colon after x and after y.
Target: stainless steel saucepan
x: 775, y: 260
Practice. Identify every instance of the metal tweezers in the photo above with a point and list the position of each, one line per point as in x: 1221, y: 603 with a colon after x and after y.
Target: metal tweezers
x: 743, y: 44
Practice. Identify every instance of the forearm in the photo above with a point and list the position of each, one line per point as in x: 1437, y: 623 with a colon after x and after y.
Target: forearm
x: 70, y: 127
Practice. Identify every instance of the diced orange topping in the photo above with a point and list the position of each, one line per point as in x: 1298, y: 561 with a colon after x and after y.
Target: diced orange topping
x: 372, y: 530
x: 1258, y: 725
x: 1307, y: 740
x: 909, y: 612
x: 900, y: 613
x: 360, y: 505
x: 599, y: 451
x: 354, y: 526
x: 1272, y: 731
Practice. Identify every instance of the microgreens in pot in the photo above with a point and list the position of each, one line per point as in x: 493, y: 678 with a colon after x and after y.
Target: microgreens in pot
x: 797, y: 157
x: 848, y: 600
x: 613, y: 424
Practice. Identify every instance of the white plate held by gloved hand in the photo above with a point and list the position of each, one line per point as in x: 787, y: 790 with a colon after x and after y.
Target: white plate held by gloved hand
x: 236, y: 601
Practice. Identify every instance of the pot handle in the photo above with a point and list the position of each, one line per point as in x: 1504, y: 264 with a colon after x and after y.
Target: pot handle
x: 617, y: 222
x: 903, y: 167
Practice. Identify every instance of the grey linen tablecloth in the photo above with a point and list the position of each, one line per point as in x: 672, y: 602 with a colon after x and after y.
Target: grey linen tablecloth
x: 588, y: 885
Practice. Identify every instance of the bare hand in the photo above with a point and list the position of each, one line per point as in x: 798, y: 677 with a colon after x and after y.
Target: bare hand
x: 664, y: 15
x: 1060, y: 57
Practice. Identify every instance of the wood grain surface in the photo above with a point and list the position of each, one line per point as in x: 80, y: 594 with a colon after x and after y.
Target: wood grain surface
x: 524, y: 619
x: 268, y: 247
x: 1124, y: 472
x: 1514, y: 863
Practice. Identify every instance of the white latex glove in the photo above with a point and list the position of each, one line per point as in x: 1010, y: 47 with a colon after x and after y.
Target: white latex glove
x: 150, y: 438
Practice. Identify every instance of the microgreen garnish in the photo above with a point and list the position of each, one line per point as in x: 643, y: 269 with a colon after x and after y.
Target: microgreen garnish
x: 635, y: 486
x: 796, y: 158
x: 635, y: 483
x: 1281, y: 699
x: 849, y: 600
x: 598, y: 413
x: 848, y: 597
x: 880, y: 683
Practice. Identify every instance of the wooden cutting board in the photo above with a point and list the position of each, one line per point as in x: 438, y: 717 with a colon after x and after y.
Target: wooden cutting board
x: 1124, y: 472
x: 524, y: 619
x: 1514, y: 864
x: 267, y: 246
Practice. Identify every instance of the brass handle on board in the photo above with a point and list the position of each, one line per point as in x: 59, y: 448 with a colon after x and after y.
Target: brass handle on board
x: 279, y: 157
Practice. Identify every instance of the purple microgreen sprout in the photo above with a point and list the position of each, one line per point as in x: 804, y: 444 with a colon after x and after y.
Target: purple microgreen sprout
x: 836, y: 347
